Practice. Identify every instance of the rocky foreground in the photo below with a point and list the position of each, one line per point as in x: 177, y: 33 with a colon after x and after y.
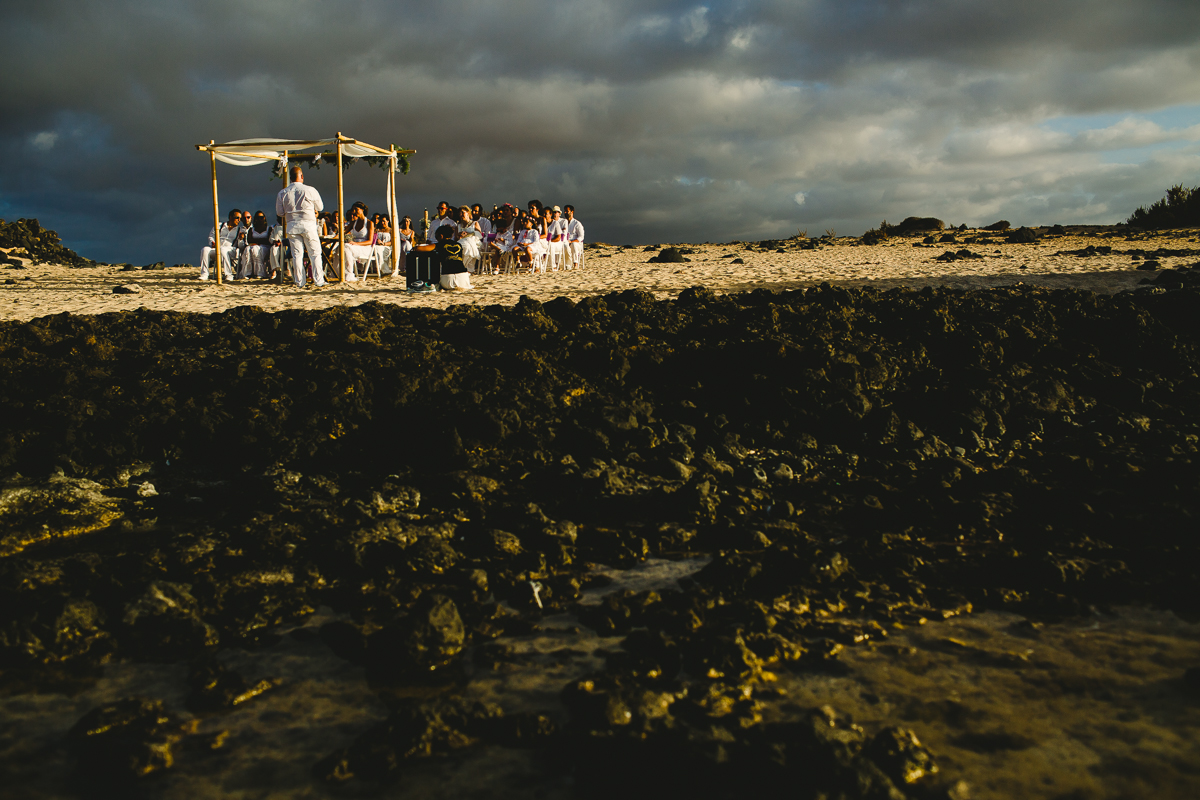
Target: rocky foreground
x: 855, y: 462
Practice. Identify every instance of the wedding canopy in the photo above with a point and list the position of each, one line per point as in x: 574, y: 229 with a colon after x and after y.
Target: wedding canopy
x: 249, y: 152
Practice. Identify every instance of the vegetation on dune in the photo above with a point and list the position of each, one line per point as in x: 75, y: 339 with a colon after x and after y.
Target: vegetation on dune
x: 1179, y: 209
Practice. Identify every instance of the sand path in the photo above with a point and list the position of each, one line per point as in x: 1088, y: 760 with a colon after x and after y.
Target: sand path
x: 38, y: 290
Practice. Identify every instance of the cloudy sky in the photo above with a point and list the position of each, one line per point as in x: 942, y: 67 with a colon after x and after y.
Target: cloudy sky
x: 659, y: 121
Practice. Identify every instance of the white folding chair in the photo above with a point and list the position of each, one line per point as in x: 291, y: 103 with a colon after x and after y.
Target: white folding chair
x: 556, y: 259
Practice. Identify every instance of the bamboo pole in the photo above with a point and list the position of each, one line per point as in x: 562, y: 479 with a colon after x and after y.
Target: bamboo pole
x: 283, y: 242
x: 212, y: 155
x: 341, y: 215
x: 394, y: 221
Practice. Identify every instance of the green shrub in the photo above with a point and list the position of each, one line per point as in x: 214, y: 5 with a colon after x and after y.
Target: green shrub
x: 1179, y: 209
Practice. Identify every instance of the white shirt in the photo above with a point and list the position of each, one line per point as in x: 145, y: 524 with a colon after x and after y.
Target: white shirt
x: 485, y: 225
x: 557, y: 228
x: 228, y: 235
x: 526, y: 237
x: 574, y: 231
x: 299, y: 203
x: 433, y: 226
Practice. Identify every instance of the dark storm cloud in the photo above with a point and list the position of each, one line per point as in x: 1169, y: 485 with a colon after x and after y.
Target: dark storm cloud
x: 659, y: 120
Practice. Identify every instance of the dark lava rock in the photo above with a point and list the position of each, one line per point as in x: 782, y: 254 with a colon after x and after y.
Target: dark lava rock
x: 1002, y: 225
x: 422, y: 473
x: 961, y: 255
x: 1057, y: 230
x: 115, y: 745
x: 669, y: 255
x: 738, y: 261
x: 215, y: 688
x: 1149, y: 265
x: 1022, y: 235
x: 42, y: 244
x: 915, y: 225
x: 129, y: 288
x: 901, y: 756
x: 165, y: 623
x: 419, y: 730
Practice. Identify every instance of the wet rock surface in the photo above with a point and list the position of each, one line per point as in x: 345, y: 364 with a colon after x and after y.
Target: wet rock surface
x: 852, y: 464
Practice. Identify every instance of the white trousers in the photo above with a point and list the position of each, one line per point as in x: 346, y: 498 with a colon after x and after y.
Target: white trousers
x: 228, y: 256
x: 355, y: 253
x: 254, y: 262
x: 303, y: 235
x: 575, y: 250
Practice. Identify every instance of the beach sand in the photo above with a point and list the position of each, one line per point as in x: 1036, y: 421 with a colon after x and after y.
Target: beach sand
x: 38, y: 290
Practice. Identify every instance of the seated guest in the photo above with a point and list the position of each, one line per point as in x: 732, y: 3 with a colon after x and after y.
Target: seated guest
x: 383, y: 243
x: 228, y: 237
x: 470, y: 237
x: 527, y: 243
x: 360, y: 239
x: 500, y: 240
x: 443, y: 218
x: 556, y: 237
x: 257, y: 238
x: 574, y: 239
x: 279, y: 247
x: 405, y: 236
x: 449, y: 254
x: 485, y: 224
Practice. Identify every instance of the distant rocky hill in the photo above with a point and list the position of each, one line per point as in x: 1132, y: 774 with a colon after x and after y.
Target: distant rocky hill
x: 41, y: 244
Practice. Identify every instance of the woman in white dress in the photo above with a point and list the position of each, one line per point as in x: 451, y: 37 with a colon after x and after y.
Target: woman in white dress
x: 470, y: 237
x: 258, y: 245
x: 360, y: 238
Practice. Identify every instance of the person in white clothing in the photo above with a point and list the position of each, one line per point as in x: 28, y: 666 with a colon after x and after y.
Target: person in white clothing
x: 470, y: 237
x: 485, y: 224
x: 444, y: 217
x: 556, y: 238
x: 527, y: 243
x: 277, y: 247
x: 360, y: 240
x: 228, y: 235
x: 298, y: 204
x: 574, y: 239
x: 256, y: 249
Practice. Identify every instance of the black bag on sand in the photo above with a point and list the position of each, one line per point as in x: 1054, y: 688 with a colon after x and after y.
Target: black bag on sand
x: 422, y: 266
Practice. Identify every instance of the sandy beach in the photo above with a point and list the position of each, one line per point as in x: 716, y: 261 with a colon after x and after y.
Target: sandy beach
x: 33, y: 291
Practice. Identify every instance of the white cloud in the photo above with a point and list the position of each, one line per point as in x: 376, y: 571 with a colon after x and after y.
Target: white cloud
x: 799, y: 197
x: 695, y: 24
x: 44, y: 140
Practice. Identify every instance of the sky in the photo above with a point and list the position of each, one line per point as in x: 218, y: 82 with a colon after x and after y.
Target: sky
x: 659, y: 121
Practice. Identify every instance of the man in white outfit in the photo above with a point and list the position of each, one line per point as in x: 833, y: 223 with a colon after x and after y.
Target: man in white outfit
x: 298, y: 204
x: 228, y: 235
x: 574, y: 239
x: 443, y: 218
